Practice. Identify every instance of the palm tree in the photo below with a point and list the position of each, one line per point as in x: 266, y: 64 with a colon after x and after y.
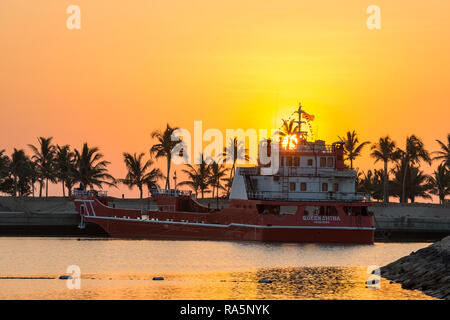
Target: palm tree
x: 91, y: 169
x: 351, y: 147
x: 217, y: 175
x: 444, y: 154
x: 232, y: 153
x: 371, y: 183
x: 20, y: 169
x: 44, y: 159
x: 384, y: 151
x: 413, y: 154
x: 151, y: 181
x: 439, y: 183
x: 198, y: 176
x: 165, y: 147
x: 289, y: 127
x: 4, y: 171
x: 4, y: 163
x: 64, y: 165
x: 34, y: 175
x: 137, y: 174
x: 416, y: 183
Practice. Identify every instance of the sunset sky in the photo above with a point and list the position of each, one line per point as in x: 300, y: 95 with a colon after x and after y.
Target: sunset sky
x: 134, y: 66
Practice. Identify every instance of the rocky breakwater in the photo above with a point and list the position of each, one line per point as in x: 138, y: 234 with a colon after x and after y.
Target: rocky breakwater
x: 427, y: 270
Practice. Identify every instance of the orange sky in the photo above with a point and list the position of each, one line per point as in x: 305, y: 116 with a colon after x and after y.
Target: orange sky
x: 137, y: 65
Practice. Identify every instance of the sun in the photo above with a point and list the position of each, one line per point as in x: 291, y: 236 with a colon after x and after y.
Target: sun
x: 289, y: 142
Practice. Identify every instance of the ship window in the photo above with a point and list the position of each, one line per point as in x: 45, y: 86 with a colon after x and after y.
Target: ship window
x: 330, y: 162
x: 288, y: 209
x: 289, y: 161
x: 310, y: 162
x: 336, y: 187
x: 357, y: 211
x: 324, y: 186
x: 292, y: 186
x: 331, y: 211
x: 268, y: 209
x: 311, y: 210
x: 303, y: 186
x: 323, y: 162
x: 296, y: 161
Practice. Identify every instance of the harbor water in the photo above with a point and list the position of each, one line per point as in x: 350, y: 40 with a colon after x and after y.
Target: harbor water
x: 30, y: 268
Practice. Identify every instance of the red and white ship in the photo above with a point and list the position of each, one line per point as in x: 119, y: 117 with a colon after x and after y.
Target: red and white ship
x: 310, y: 198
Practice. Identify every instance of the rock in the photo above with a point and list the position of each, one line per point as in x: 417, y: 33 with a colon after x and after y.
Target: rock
x: 426, y: 269
x: 265, y: 281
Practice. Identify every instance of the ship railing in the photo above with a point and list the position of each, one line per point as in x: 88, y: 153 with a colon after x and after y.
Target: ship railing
x: 311, y: 147
x: 89, y: 193
x: 307, y: 196
x: 320, y: 171
x: 252, y: 171
x: 164, y: 207
x: 171, y: 192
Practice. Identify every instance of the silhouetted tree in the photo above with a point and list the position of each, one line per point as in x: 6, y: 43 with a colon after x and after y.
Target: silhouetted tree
x: 165, y: 147
x: 385, y: 150
x: 43, y: 157
x: 198, y: 176
x: 351, y: 147
x: 216, y: 178
x: 91, y: 169
x: 232, y: 153
x: 137, y: 172
x: 444, y: 153
x: 413, y: 154
x: 415, y: 184
x: 65, y: 167
x: 439, y: 183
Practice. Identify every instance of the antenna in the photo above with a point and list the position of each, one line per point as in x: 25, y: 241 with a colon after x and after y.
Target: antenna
x: 301, y: 134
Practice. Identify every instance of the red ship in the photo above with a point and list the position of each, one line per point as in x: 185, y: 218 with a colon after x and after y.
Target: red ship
x: 309, y: 198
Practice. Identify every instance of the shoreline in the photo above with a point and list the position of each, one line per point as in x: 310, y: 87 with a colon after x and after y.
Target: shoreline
x: 426, y: 270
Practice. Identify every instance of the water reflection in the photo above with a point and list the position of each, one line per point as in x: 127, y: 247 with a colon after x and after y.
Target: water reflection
x: 287, y: 283
x: 121, y: 269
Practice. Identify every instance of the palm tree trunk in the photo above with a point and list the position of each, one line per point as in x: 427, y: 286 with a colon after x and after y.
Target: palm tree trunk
x: 217, y: 198
x: 386, y: 195
x: 168, y: 174
x: 140, y: 190
x: 231, y: 176
x: 40, y: 187
x: 404, y: 198
x: 46, y: 189
x: 15, y: 185
x: 64, y: 191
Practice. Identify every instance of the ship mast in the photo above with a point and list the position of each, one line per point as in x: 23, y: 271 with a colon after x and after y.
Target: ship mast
x: 301, y: 134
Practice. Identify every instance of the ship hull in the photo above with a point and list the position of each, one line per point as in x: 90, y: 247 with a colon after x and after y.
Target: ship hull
x: 148, y: 229
x: 243, y: 220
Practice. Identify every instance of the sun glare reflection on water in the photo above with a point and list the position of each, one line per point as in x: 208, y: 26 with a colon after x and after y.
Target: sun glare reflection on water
x: 124, y: 269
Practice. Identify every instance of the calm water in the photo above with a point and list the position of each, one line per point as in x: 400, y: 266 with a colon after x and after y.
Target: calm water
x: 123, y: 269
